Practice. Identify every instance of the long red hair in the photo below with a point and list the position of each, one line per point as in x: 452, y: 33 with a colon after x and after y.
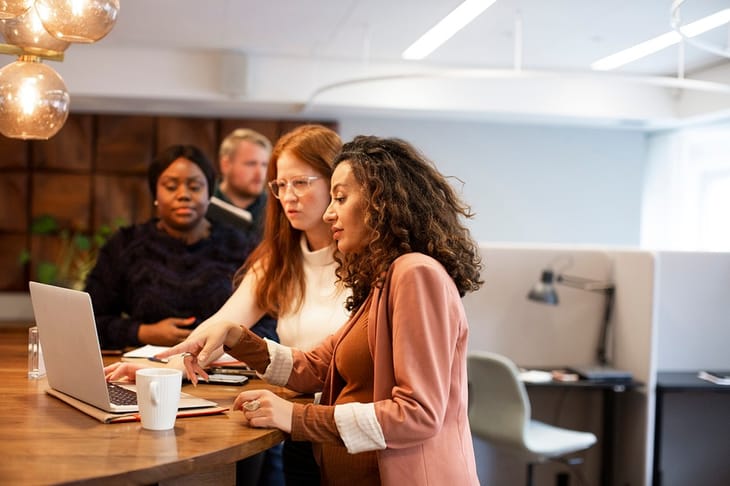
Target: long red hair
x: 278, y: 258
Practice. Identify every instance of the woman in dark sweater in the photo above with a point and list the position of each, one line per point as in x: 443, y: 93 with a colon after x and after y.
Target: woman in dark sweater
x: 154, y: 282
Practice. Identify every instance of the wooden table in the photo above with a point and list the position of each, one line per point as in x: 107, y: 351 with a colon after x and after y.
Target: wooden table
x: 45, y: 441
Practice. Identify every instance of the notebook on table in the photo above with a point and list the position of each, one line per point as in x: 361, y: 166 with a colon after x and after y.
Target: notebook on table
x: 71, y: 352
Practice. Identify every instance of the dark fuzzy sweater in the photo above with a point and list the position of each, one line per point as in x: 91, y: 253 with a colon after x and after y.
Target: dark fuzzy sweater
x: 143, y: 275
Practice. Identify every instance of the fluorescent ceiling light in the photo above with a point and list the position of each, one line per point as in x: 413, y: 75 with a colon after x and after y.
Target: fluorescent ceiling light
x: 662, y: 42
x: 447, y: 27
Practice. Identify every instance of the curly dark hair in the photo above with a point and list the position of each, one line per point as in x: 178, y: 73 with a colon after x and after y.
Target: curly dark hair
x: 410, y: 207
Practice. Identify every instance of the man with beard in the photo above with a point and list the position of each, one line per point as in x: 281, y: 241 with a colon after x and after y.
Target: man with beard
x: 240, y: 197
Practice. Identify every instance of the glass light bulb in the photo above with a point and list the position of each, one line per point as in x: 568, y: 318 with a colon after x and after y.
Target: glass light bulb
x: 82, y: 21
x: 27, y: 31
x: 13, y: 8
x: 34, y: 102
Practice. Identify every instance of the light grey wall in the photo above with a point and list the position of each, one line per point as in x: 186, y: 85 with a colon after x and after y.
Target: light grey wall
x: 692, y: 310
x: 533, y: 183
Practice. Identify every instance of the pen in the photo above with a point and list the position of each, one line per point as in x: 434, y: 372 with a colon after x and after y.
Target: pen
x: 157, y: 360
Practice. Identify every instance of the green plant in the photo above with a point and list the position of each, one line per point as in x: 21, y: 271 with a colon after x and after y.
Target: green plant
x: 76, y: 255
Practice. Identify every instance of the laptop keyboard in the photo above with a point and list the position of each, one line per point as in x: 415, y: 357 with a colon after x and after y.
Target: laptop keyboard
x: 120, y: 395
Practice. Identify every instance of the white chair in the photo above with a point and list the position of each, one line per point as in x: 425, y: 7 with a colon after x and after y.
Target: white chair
x: 499, y: 412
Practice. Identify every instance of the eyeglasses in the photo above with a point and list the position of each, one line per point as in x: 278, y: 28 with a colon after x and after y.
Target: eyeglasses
x: 299, y: 185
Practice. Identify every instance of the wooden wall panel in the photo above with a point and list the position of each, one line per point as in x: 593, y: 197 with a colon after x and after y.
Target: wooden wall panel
x: 13, y: 199
x: 201, y: 132
x: 13, y: 153
x: 273, y: 129
x: 126, y: 197
x: 125, y: 143
x: 93, y: 172
x: 45, y: 248
x: 70, y: 149
x: 64, y: 196
x: 13, y: 275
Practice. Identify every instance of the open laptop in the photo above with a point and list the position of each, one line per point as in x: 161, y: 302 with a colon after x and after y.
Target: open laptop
x: 70, y: 344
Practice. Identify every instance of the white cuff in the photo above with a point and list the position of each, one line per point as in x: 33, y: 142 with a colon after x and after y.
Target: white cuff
x: 281, y: 363
x: 359, y: 427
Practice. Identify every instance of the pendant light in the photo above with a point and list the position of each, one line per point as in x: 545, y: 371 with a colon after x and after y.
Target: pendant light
x: 13, y: 8
x: 83, y: 21
x: 27, y: 32
x: 34, y: 102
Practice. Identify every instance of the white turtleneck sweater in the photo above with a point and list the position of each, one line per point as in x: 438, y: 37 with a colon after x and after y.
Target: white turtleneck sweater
x: 322, y: 311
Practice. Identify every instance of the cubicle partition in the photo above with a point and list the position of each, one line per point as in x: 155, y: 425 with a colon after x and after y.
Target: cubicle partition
x: 536, y: 335
x: 693, y: 310
x: 693, y: 334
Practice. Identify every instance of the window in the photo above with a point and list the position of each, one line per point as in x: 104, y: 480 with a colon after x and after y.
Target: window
x: 687, y: 191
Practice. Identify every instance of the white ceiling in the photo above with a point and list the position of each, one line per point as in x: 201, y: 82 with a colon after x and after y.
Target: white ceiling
x: 556, y: 34
x: 298, y: 58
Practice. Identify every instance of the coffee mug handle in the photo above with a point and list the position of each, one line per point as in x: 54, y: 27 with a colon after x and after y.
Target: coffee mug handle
x: 155, y: 393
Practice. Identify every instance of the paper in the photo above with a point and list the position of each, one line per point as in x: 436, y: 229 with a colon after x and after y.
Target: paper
x: 536, y: 376
x: 148, y: 351
x: 716, y: 377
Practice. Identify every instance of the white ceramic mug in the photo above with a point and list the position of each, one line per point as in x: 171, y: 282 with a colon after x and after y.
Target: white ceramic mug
x: 158, y: 396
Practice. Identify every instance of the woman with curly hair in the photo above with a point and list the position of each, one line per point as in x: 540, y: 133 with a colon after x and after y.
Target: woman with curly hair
x: 394, y: 403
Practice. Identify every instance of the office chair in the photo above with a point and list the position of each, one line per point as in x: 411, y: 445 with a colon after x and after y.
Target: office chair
x: 499, y: 412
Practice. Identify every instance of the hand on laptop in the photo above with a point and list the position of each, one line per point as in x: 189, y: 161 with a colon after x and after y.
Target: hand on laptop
x: 125, y: 371
x: 120, y: 371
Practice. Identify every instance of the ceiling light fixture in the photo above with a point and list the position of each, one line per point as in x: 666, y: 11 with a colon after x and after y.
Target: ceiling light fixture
x: 34, y: 101
x: 663, y: 41
x: 13, y: 8
x: 398, y: 88
x: 446, y: 28
x: 688, y: 33
x: 83, y: 21
x: 26, y: 32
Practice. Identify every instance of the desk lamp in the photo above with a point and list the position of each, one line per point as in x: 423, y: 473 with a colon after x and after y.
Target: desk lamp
x: 544, y: 292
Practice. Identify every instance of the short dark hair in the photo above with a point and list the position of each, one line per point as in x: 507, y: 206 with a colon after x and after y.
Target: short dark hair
x: 170, y: 155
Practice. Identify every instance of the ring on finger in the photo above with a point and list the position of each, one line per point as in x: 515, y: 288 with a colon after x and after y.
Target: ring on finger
x: 252, y: 406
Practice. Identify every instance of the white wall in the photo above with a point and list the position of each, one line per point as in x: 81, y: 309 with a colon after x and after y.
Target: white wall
x: 533, y: 183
